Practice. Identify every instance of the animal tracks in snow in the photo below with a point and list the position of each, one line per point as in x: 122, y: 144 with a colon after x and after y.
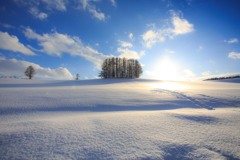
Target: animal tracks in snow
x: 201, y: 100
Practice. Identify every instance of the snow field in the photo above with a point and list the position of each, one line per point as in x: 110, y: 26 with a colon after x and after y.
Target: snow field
x: 130, y: 119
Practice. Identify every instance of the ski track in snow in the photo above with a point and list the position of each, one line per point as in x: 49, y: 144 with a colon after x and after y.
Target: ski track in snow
x: 118, y: 119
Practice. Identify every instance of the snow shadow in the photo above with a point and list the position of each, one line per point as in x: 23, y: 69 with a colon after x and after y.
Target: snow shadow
x: 97, y: 108
x: 177, y: 152
x: 59, y: 83
x: 199, y: 119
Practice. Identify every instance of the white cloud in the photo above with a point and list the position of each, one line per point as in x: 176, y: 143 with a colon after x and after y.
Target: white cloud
x: 130, y: 36
x: 151, y: 37
x: 35, y: 12
x: 12, y: 43
x: 142, y: 65
x: 57, y: 44
x: 232, y: 40
x: 189, y: 73
x: 33, y: 6
x: 151, y: 25
x: 170, y: 51
x: 56, y: 4
x: 96, y: 14
x: 181, y: 26
x: 2, y: 56
x: 15, y: 67
x: 124, y: 44
x: 97, y: 44
x: 114, y: 3
x: 234, y: 55
x: 96, y: 77
x: 6, y: 25
x: 206, y: 73
x: 142, y: 53
x: 50, y: 4
x: 92, y: 9
x: 85, y: 77
x: 42, y: 15
x: 128, y: 53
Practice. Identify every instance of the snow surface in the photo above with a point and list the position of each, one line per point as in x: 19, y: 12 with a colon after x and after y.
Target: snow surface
x: 119, y: 119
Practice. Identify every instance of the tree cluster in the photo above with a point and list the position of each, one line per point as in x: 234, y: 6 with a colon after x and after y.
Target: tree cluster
x: 120, y: 68
x: 219, y: 78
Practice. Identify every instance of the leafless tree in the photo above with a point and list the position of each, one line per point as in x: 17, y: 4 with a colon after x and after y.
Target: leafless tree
x: 30, y: 72
x: 120, y: 68
x: 77, y: 77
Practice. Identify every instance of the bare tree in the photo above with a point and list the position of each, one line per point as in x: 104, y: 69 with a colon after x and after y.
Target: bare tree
x: 30, y: 72
x: 77, y: 76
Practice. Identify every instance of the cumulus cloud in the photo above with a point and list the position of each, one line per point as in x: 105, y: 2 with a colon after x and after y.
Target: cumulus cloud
x: 128, y: 53
x: 124, y: 44
x: 86, y: 77
x: 232, y: 40
x: 130, y: 36
x: 15, y: 67
x: 12, y: 43
x: 56, y: 44
x: 206, y: 73
x: 35, y: 12
x: 180, y: 26
x: 189, y: 73
x: 97, y: 44
x: 151, y: 37
x: 234, y: 55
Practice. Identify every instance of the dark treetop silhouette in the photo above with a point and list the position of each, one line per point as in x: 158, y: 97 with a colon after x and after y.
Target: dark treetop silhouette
x: 30, y: 72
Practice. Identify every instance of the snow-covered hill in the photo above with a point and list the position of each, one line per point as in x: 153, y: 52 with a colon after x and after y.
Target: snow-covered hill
x: 119, y: 119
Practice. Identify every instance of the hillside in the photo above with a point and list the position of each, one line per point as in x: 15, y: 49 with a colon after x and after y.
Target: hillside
x: 119, y: 119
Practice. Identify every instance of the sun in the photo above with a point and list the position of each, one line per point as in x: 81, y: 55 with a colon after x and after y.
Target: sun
x: 166, y: 70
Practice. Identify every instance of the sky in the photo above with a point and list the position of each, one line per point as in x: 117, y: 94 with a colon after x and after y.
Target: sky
x: 172, y: 39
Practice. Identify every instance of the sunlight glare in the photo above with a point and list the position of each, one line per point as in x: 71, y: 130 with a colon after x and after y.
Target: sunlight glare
x: 169, y: 86
x: 166, y: 70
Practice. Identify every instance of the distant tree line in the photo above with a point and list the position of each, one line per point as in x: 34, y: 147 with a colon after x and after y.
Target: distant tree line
x: 219, y: 78
x: 120, y: 68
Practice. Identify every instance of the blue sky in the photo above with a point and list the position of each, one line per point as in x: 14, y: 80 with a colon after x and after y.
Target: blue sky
x: 173, y: 40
